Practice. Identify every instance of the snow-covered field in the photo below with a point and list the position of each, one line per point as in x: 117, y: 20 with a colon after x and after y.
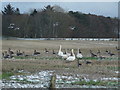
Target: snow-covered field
x: 42, y: 80
x: 38, y: 80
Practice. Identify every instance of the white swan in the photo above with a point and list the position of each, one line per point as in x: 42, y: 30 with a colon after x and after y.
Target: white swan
x: 60, y: 53
x: 79, y: 54
x: 71, y: 57
x: 68, y: 53
x: 65, y: 55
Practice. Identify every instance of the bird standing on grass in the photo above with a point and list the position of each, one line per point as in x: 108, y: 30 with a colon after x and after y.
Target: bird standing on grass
x: 79, y: 54
x: 88, y: 62
x: 99, y: 55
x: 46, y: 51
x: 18, y: 53
x: 65, y: 56
x: 92, y: 54
x: 60, y: 53
x: 35, y: 52
x: 67, y: 53
x: 71, y: 57
x: 110, y: 53
x: 25, y: 55
x: 9, y: 51
x: 118, y: 49
x: 54, y: 52
x: 5, y: 55
x: 106, y: 51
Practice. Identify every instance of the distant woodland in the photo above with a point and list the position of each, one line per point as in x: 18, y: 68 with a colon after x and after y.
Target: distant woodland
x: 55, y: 22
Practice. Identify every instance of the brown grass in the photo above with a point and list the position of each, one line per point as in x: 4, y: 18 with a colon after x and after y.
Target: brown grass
x: 28, y: 45
x: 97, y: 68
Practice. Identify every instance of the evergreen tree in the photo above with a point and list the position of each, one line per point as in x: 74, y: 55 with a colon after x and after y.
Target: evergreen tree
x: 48, y: 8
x: 34, y: 12
x: 8, y: 10
x: 17, y: 11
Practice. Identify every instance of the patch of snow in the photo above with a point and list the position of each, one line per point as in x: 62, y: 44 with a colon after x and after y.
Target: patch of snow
x: 112, y: 78
x: 117, y: 72
x: 38, y: 80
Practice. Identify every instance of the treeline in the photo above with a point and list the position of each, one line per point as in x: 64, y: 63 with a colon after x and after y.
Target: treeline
x: 54, y: 22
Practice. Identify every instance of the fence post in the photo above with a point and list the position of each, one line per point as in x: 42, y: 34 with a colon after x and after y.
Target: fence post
x: 52, y: 82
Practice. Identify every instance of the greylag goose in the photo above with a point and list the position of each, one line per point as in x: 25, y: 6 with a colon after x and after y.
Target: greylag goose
x: 46, y: 51
x: 35, y: 52
x: 92, y: 54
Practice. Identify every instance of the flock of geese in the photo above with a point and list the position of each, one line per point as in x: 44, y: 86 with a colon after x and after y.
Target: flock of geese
x: 64, y: 55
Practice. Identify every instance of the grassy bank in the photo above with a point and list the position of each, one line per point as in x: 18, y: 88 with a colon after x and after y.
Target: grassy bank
x: 97, y: 83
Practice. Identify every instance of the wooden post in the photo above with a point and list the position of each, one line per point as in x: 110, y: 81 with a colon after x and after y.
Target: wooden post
x: 52, y: 83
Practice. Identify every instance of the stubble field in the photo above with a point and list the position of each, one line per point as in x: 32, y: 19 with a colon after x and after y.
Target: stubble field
x: 99, y: 68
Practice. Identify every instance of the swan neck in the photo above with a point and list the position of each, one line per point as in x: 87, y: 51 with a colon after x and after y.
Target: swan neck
x: 72, y: 53
x: 60, y: 48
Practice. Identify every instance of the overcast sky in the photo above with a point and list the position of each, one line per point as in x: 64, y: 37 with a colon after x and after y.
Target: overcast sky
x: 98, y: 8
